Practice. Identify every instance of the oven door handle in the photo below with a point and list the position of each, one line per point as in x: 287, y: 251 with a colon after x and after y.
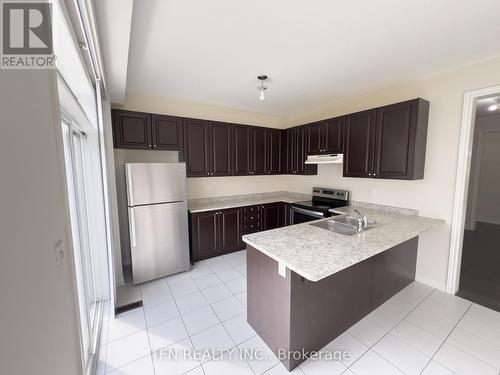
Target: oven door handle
x: 308, y: 212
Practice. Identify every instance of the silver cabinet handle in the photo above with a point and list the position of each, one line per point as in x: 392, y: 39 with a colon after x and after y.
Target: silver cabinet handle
x: 374, y: 174
x: 369, y: 174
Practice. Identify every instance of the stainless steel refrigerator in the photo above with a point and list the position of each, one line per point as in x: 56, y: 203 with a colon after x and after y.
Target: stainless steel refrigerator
x: 158, y: 221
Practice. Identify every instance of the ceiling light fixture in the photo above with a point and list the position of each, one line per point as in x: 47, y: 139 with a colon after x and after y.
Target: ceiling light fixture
x: 262, y: 88
x: 493, y: 107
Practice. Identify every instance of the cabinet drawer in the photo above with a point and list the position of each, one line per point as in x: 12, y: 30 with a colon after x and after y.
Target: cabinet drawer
x: 251, y: 209
x: 251, y: 217
x: 251, y: 227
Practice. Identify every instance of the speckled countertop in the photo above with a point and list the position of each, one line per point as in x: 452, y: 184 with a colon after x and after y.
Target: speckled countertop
x: 316, y: 253
x: 220, y: 203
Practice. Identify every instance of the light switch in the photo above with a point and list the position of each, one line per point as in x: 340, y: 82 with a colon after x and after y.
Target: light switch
x: 60, y: 261
x: 282, y: 269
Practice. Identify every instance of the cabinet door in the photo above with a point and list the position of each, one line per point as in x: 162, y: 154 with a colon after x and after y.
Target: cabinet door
x: 286, y: 212
x: 204, y: 234
x: 301, y: 156
x: 132, y: 129
x: 258, y: 151
x: 196, y: 147
x: 271, y: 216
x: 219, y: 149
x: 229, y: 222
x: 315, y: 138
x: 167, y: 132
x: 333, y: 140
x: 273, y: 151
x: 359, y: 144
x: 394, y: 141
x: 291, y: 140
x: 241, y: 143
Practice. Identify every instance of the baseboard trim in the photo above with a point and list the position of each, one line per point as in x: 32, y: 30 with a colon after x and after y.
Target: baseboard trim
x: 488, y: 221
x: 431, y: 282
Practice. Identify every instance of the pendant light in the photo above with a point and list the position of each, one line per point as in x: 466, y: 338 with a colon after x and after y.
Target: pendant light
x: 262, y: 88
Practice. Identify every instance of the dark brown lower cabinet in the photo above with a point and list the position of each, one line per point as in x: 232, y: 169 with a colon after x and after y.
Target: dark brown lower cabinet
x: 218, y: 232
x: 215, y: 232
x: 271, y: 215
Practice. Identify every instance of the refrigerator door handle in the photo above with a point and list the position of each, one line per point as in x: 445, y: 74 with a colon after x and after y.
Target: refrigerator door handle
x: 133, y: 238
x: 130, y: 188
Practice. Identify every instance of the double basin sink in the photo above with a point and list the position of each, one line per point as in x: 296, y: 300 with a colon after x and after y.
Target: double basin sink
x: 345, y: 224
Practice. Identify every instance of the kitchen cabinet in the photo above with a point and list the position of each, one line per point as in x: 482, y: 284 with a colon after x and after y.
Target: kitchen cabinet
x: 207, y: 148
x: 219, y: 149
x: 326, y: 137
x: 387, y: 142
x: 229, y: 226
x: 400, y: 140
x: 132, y: 130
x: 271, y: 213
x: 241, y: 149
x: 137, y: 130
x: 215, y: 232
x: 167, y: 132
x: 258, y: 159
x: 296, y: 142
x: 286, y: 214
x: 273, y: 151
x: 359, y: 144
x: 204, y: 235
x: 196, y: 147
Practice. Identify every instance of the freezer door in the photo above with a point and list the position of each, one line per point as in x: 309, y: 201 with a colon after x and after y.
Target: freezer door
x: 159, y: 241
x: 151, y: 183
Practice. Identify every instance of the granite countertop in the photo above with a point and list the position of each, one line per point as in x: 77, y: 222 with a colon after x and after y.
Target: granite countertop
x: 220, y: 203
x: 316, y: 253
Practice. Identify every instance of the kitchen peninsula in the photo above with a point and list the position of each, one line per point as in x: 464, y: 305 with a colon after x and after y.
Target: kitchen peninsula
x: 307, y: 285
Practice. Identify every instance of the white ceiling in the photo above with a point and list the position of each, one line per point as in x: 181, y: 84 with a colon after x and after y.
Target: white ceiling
x: 314, y: 51
x: 483, y: 104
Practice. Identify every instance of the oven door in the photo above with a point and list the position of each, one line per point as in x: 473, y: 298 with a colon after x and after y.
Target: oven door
x: 300, y: 215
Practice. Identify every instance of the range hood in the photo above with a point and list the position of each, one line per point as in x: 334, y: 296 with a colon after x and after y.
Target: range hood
x: 325, y: 159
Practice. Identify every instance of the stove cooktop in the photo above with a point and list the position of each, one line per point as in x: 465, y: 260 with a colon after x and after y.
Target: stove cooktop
x: 324, y: 199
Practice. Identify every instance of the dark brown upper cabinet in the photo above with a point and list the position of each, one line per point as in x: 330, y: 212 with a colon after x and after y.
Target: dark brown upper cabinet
x: 273, y: 151
x: 359, y: 144
x: 257, y: 165
x: 137, y: 130
x: 219, y: 149
x: 388, y: 142
x: 326, y: 137
x: 295, y: 141
x: 167, y: 132
x: 132, y: 130
x: 196, y: 147
x: 241, y: 150
x: 333, y: 135
x: 400, y: 140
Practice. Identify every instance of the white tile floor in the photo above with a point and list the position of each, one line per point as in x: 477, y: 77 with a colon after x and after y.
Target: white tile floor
x: 418, y: 331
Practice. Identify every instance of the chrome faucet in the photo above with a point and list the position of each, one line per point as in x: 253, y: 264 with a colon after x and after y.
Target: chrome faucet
x: 362, y: 221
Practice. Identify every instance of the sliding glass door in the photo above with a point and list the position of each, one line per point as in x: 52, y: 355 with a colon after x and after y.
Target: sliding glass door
x: 88, y: 295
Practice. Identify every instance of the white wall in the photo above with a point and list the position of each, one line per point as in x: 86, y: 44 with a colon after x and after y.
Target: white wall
x: 488, y: 200
x: 483, y: 125
x: 38, y: 319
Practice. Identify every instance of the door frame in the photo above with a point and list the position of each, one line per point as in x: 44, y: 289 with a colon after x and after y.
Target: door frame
x: 462, y: 182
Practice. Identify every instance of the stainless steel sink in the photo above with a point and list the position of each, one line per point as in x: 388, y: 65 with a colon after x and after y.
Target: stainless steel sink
x: 343, y: 224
